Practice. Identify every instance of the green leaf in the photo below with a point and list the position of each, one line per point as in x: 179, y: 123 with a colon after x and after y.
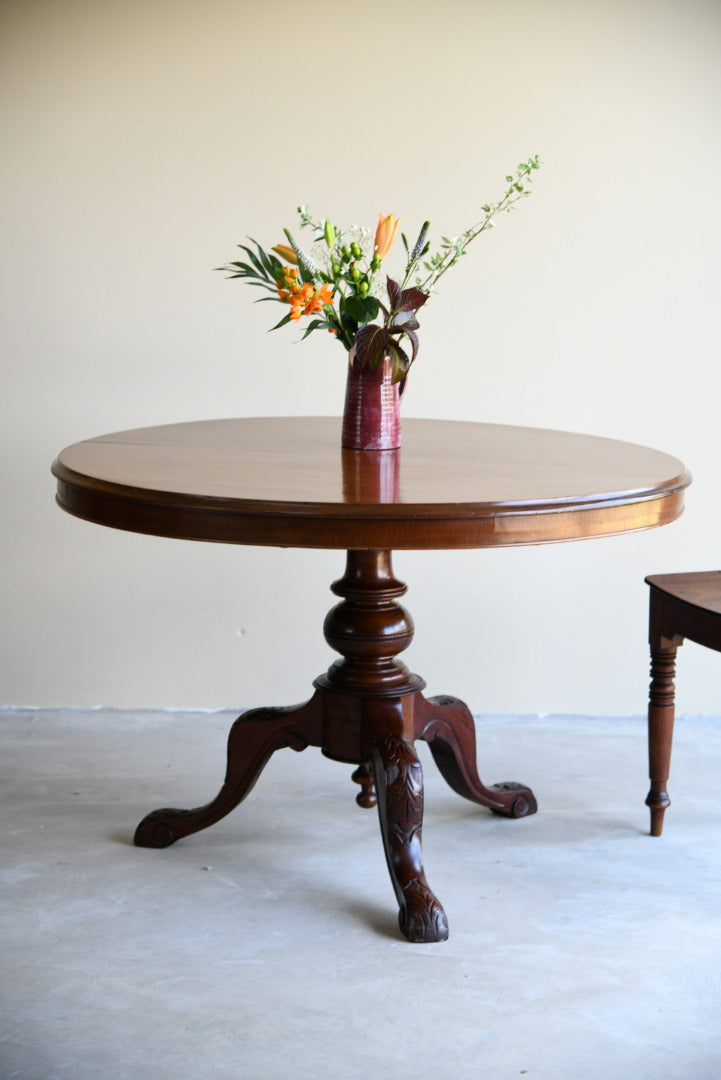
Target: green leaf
x: 257, y: 264
x: 349, y: 326
x: 361, y: 309
x: 315, y: 324
x: 283, y: 322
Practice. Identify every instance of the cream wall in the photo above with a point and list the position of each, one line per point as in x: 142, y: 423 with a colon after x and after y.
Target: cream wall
x: 142, y: 139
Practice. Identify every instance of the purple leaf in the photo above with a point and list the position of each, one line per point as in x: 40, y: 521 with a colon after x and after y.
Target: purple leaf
x: 371, y: 344
x: 399, y: 361
x: 413, y: 338
x: 394, y: 293
x: 403, y: 319
x: 411, y: 300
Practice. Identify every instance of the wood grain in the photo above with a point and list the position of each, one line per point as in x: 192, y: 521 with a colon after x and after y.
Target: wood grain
x: 286, y: 482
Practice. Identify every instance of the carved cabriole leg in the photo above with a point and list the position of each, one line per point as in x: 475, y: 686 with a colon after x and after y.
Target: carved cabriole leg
x: 446, y: 724
x: 399, y: 786
x: 253, y: 738
x: 661, y: 708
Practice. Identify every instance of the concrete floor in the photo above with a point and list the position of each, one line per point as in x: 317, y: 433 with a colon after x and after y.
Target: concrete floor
x: 267, y: 947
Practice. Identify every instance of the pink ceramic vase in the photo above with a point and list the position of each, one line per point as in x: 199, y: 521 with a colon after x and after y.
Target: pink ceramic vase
x: 371, y: 416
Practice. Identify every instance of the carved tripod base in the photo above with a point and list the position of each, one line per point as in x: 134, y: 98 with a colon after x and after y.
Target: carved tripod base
x: 367, y: 710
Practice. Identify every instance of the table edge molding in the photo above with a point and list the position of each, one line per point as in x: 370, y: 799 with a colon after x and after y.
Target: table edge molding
x: 396, y: 526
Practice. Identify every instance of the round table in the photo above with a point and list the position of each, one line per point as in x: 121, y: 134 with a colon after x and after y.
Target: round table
x: 287, y: 482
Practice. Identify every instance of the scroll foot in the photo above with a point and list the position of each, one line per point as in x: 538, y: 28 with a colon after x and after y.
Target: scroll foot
x: 253, y: 738
x: 446, y: 724
x: 399, y: 784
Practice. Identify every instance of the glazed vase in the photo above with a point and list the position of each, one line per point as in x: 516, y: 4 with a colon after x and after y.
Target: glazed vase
x: 371, y: 414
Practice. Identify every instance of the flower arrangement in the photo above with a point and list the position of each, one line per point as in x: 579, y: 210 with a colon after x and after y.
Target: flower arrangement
x: 335, y: 280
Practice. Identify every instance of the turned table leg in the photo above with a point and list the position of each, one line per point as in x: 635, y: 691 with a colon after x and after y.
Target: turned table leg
x: 661, y: 711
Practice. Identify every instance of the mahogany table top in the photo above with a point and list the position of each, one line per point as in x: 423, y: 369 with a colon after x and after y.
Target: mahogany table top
x: 286, y: 482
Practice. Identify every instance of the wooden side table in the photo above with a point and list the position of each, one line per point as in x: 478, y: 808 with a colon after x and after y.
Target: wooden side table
x: 286, y: 482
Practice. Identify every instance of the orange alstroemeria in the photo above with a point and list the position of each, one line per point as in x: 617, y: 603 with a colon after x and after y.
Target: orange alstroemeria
x: 385, y: 234
x: 306, y: 300
x: 286, y: 252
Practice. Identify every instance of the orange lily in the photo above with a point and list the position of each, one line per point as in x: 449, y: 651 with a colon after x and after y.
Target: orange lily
x: 286, y: 252
x: 385, y: 234
x: 287, y: 278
